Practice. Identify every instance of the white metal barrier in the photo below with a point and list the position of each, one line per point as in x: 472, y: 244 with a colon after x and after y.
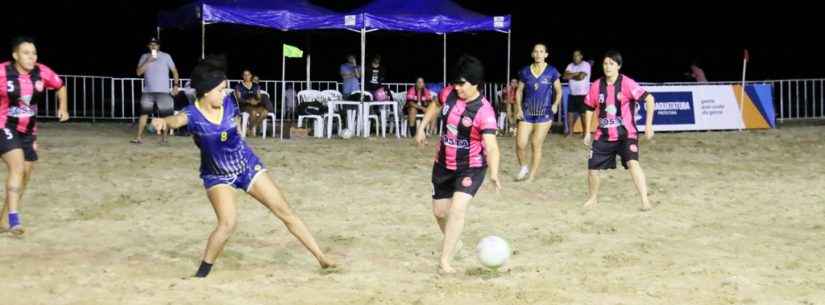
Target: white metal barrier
x: 110, y: 98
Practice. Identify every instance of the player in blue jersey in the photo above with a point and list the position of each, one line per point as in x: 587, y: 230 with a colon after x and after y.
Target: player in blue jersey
x: 537, y: 99
x: 228, y: 163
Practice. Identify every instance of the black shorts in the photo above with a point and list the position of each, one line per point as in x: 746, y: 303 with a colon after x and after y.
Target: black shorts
x: 603, y: 153
x: 10, y: 140
x: 575, y: 104
x: 446, y: 182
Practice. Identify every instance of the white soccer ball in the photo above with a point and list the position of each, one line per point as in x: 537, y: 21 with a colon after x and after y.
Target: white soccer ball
x: 493, y: 251
x: 346, y: 133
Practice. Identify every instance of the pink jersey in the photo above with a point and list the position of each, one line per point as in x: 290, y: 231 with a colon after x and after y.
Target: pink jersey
x: 615, y: 107
x: 462, y: 146
x: 444, y: 93
x: 422, y: 99
x: 21, y: 93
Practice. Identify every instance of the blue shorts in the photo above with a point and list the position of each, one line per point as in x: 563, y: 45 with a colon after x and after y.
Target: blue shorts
x: 538, y: 119
x: 242, y: 181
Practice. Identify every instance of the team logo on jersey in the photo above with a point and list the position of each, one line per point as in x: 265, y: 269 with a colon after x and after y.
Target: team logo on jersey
x: 601, y: 98
x: 445, y: 110
x: 610, y: 109
x: 21, y: 111
x: 535, y: 86
x: 466, y: 182
x: 452, y: 129
x: 224, y: 136
x: 619, y: 96
x: 26, y: 100
x: 634, y: 148
x: 38, y: 85
x: 453, y: 142
x: 545, y: 81
x: 466, y: 121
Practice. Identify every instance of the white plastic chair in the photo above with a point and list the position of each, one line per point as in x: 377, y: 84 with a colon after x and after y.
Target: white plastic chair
x: 369, y: 117
x: 270, y: 115
x: 305, y: 96
x: 333, y: 95
x: 503, y: 123
x: 400, y: 99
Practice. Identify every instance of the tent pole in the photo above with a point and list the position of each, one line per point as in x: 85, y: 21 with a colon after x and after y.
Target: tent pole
x: 444, y: 61
x: 203, y: 39
x: 309, y: 59
x: 507, y: 81
x: 363, y: 57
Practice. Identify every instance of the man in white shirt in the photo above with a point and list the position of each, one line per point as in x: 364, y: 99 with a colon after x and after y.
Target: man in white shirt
x: 578, y: 76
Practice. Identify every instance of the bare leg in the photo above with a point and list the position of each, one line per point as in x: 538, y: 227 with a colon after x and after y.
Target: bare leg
x: 511, y: 117
x: 453, y: 228
x: 141, y: 125
x: 223, y: 202
x: 14, y: 185
x: 411, y: 128
x: 593, y: 184
x: 571, y: 122
x: 28, y: 168
x: 522, y: 139
x: 537, y: 141
x: 441, y: 209
x: 639, y: 179
x: 265, y: 191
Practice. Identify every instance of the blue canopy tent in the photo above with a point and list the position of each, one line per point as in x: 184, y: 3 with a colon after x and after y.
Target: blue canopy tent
x: 424, y: 16
x: 284, y: 15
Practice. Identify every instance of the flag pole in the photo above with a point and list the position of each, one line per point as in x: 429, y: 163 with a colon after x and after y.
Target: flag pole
x: 283, y: 90
x: 742, y: 88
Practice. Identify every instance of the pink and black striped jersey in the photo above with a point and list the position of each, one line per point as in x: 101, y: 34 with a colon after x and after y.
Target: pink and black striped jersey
x: 20, y: 94
x: 464, y: 124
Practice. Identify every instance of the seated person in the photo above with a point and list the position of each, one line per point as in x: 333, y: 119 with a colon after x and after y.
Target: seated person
x: 418, y: 98
x: 248, y: 95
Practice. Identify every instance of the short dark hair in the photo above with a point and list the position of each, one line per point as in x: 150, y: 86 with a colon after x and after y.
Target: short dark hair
x: 17, y: 41
x: 469, y: 68
x: 615, y: 56
x: 208, y: 74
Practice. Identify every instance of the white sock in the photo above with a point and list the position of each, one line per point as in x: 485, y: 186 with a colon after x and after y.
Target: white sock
x: 523, y: 173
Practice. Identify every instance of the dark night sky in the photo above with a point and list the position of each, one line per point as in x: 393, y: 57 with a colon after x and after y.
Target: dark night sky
x: 107, y: 38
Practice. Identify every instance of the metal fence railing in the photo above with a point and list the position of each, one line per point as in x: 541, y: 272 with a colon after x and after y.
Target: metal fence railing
x: 110, y: 98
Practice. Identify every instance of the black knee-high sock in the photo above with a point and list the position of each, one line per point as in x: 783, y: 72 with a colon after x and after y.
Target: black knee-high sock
x: 412, y: 130
x: 204, y: 269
